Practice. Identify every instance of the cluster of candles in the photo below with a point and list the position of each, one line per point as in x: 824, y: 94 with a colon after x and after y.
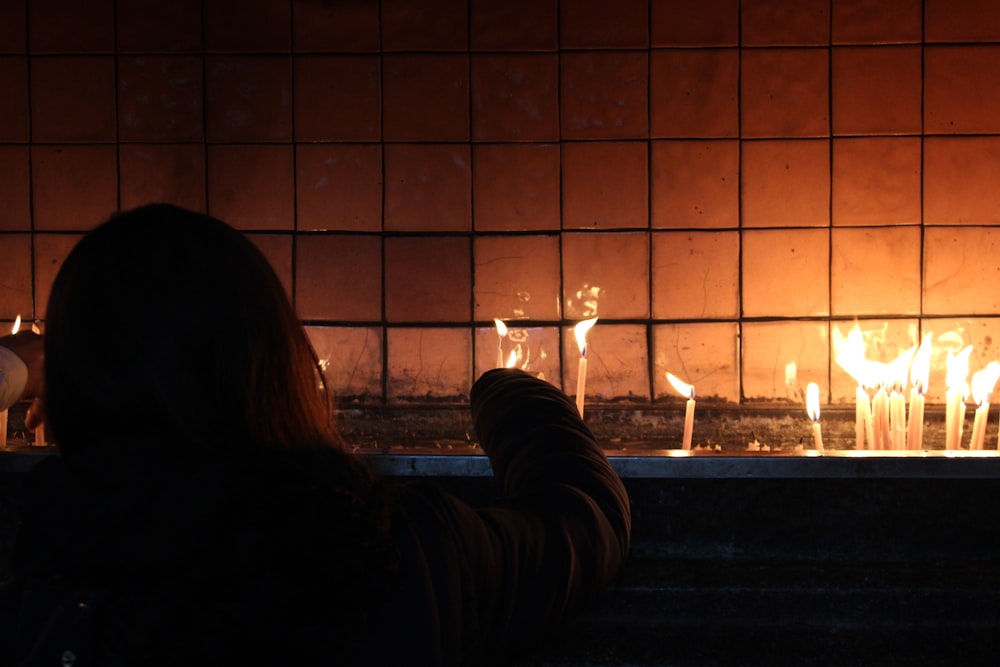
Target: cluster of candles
x: 40, y: 430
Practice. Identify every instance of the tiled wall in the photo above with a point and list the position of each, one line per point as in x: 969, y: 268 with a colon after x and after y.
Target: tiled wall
x: 722, y: 182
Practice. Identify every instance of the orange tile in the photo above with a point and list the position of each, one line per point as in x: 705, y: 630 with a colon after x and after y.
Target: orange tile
x: 337, y: 98
x: 595, y: 24
x: 952, y: 334
x: 969, y: 21
x: 339, y: 186
x: 534, y: 350
x: 339, y: 277
x: 160, y: 98
x: 351, y: 359
x: 617, y: 364
x: 427, y: 279
x: 342, y: 27
x: 875, y: 271
x: 15, y: 287
x: 426, y: 97
x: 251, y: 187
x: 516, y: 187
x: 877, y: 90
x: 960, y: 268
x: 604, y: 94
x: 15, y: 184
x: 694, y: 93
x: 786, y: 273
x: 785, y: 93
x: 172, y: 173
x: 876, y: 181
x: 50, y: 252
x: 428, y: 364
x: 885, y: 340
x: 14, y: 110
x: 961, y: 89
x: 516, y: 25
x: 517, y: 277
x: 696, y: 275
x: 785, y: 22
x: 277, y: 249
x: 256, y: 26
x: 876, y: 21
x: 960, y: 180
x: 707, y: 23
x: 57, y: 26
x: 705, y: 355
x: 767, y: 350
x: 12, y: 21
x: 695, y: 184
x: 73, y: 99
x: 786, y: 183
x: 428, y: 187
x: 605, y: 274
x: 605, y: 185
x: 73, y: 188
x: 430, y: 25
x: 170, y: 27
x: 248, y: 98
x: 515, y: 97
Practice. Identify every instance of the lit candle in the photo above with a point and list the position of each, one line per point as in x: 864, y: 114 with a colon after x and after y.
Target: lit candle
x: 919, y: 376
x: 812, y: 409
x: 685, y: 389
x: 958, y: 389
x: 983, y: 382
x: 880, y: 419
x: 3, y: 413
x: 896, y: 373
x: 580, y: 331
x: 862, y: 418
x: 501, y: 334
x: 849, y: 352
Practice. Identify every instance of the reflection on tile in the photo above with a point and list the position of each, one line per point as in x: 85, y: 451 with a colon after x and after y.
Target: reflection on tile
x: 171, y: 173
x: 876, y: 181
x: 339, y: 186
x: 427, y: 279
x: 604, y: 94
x: 534, y: 350
x: 960, y: 271
x: 696, y: 275
x: 768, y: 349
x: 695, y: 184
x: 351, y: 359
x: 605, y: 274
x: 516, y: 186
x: 705, y: 355
x: 694, y: 93
x: 50, y: 251
x: 73, y: 187
x: 786, y: 183
x: 617, y: 363
x: 885, y: 340
x: 684, y: 23
x: 429, y: 364
x: 250, y: 186
x: 954, y: 334
x: 339, y: 277
x: 960, y: 180
x: 15, y: 192
x: 786, y: 273
x: 517, y: 277
x: 875, y: 271
x: 605, y: 185
x: 15, y: 287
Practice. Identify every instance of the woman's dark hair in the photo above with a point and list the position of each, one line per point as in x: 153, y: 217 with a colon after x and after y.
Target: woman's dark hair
x: 166, y: 324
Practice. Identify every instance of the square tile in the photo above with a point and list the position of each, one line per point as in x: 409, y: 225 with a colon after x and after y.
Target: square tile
x: 74, y: 26
x: 786, y: 273
x: 171, y: 27
x: 785, y: 22
x: 877, y: 90
x: 785, y: 93
x: 517, y: 277
x: 50, y: 252
x: 248, y: 26
x: 961, y: 89
x: 171, y: 173
x: 884, y: 341
x: 73, y: 99
x: 160, y: 98
x: 604, y: 94
x: 952, y: 334
x: 419, y: 290
x: 695, y: 184
x: 767, y: 350
x: 875, y: 271
x: 428, y: 364
x: 605, y: 274
x: 515, y: 97
x: 251, y: 187
x: 617, y: 364
x: 786, y: 183
x: 351, y: 359
x: 960, y: 176
x: 693, y: 93
x: 339, y: 186
x: 696, y: 275
x: 14, y: 110
x: 534, y: 350
x: 339, y: 277
x: 596, y: 24
x: 15, y: 288
x: 249, y: 98
x: 277, y: 250
x: 428, y: 187
x: 877, y: 21
x: 969, y: 21
x: 703, y: 354
x: 876, y: 181
x: 707, y: 23
x: 960, y: 268
x: 515, y: 187
x: 431, y: 25
x: 13, y: 38
x: 337, y: 98
x: 73, y: 188
x: 605, y: 185
x: 342, y: 27
x: 426, y: 97
x: 516, y: 25
x: 15, y: 188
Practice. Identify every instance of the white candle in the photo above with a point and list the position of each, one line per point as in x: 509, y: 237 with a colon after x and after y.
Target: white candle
x: 501, y: 334
x: 897, y: 418
x: 3, y: 413
x: 919, y: 376
x: 812, y: 409
x: 685, y: 389
x: 979, y: 427
x: 580, y: 331
x: 862, y: 418
x: 958, y: 389
x: 880, y: 420
x: 983, y: 382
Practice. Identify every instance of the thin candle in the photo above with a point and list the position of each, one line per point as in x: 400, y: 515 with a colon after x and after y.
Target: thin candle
x: 919, y: 376
x: 812, y: 409
x: 3, y: 413
x: 501, y: 334
x: 896, y: 372
x: 685, y: 389
x: 580, y: 331
x: 983, y: 382
x: 957, y: 391
x: 849, y: 352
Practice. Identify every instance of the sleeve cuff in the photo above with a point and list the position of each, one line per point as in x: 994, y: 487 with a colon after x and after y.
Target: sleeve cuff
x: 13, y: 378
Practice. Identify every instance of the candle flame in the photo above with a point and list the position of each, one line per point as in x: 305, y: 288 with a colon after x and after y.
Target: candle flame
x: 983, y: 382
x: 849, y: 352
x: 958, y: 371
x: 812, y: 401
x: 17, y: 325
x: 580, y: 331
x: 921, y: 369
x: 683, y: 388
x: 896, y: 370
x: 511, y: 359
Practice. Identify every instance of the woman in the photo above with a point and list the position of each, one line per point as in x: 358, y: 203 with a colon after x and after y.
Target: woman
x: 203, y: 510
